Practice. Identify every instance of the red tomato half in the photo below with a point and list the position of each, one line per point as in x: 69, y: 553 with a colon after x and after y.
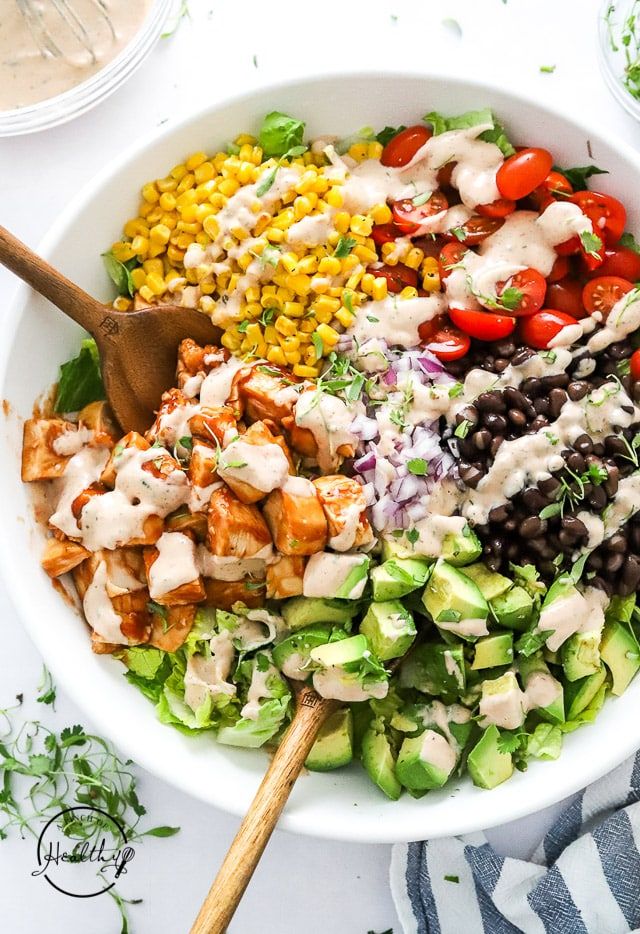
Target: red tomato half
x: 607, y: 214
x: 402, y: 148
x: 385, y: 233
x: 499, y: 208
x: 555, y: 187
x: 532, y: 288
x: 482, y: 324
x: 398, y: 277
x: 443, y: 340
x: 537, y: 330
x: 408, y: 216
x: 620, y: 261
x: 559, y: 270
x: 521, y: 173
x: 601, y: 294
x: 475, y: 230
x: 635, y: 364
x: 566, y: 296
x: 450, y: 255
x: 444, y: 175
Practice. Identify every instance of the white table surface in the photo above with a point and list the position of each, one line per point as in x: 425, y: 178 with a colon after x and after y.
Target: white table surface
x: 302, y: 884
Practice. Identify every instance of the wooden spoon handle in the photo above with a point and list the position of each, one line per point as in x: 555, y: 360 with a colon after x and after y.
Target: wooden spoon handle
x: 46, y: 280
x: 260, y: 820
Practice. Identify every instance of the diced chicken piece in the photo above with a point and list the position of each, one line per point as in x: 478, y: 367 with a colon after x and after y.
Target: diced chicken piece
x: 223, y: 594
x: 301, y: 439
x: 284, y: 577
x: 130, y: 440
x: 62, y: 555
x: 169, y: 631
x: 133, y: 610
x: 296, y: 519
x: 195, y: 361
x: 98, y: 417
x: 345, y: 508
x: 266, y: 391
x: 214, y: 426
x: 172, y: 419
x: 235, y: 528
x: 114, y: 596
x: 172, y: 571
x: 98, y: 647
x: 203, y: 463
x: 255, y: 463
x: 194, y: 523
x: 40, y: 459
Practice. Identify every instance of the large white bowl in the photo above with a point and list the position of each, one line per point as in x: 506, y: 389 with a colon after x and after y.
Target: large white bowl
x: 36, y: 338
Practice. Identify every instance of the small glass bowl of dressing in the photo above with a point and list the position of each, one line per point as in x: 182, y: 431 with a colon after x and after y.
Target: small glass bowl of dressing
x: 77, y: 69
x: 619, y: 46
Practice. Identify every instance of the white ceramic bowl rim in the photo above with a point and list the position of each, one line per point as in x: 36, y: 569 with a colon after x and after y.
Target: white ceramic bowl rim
x: 544, y: 783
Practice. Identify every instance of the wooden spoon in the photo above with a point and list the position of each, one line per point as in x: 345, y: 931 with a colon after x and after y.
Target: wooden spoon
x: 260, y: 820
x: 138, y: 349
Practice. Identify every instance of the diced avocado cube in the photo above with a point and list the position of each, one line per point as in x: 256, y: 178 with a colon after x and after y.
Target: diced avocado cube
x: 292, y: 654
x: 454, y: 602
x: 339, y: 654
x: 299, y: 612
x: 425, y: 761
x: 333, y: 747
x: 379, y: 761
x: 389, y: 628
x: 461, y: 549
x: 620, y: 653
x: 502, y: 702
x: 489, y: 583
x: 544, y: 692
x: 399, y: 576
x: 435, y: 669
x: 493, y: 650
x: 328, y: 575
x: 621, y: 609
x: 580, y: 655
x: 488, y: 766
x: 579, y: 694
x: 404, y: 722
x: 513, y: 608
x: 394, y: 547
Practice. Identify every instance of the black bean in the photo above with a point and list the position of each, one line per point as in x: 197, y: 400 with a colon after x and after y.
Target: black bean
x: 499, y: 513
x: 576, y: 526
x: 598, y: 449
x: 533, y: 500
x: 549, y: 486
x: 515, y: 398
x: 513, y: 551
x: 575, y: 462
x: 505, y: 348
x: 495, y: 445
x: 577, y: 390
x: 531, y: 527
x: 594, y: 561
x: 532, y: 387
x: 482, y: 439
x: 517, y: 418
x: 497, y: 424
x: 510, y: 525
x: 635, y: 391
x: 613, y: 563
x: 500, y: 365
x: 558, y: 380
x: 583, y: 444
x: 620, y: 350
x: 490, y: 402
x: 634, y: 534
x: 496, y: 545
x: 617, y: 543
x: 540, y: 421
x: 521, y: 355
x: 470, y: 475
x: 613, y: 444
x: 557, y: 398
x: 541, y: 405
x: 631, y: 571
x: 602, y: 584
x: 567, y: 539
x: 611, y: 483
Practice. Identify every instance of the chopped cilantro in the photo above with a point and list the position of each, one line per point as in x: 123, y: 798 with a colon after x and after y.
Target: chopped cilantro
x: 344, y: 247
x: 418, y: 466
x: 591, y: 244
x: 463, y: 428
x: 267, y: 180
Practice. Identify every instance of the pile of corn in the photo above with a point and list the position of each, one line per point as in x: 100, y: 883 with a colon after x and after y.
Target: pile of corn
x: 310, y: 293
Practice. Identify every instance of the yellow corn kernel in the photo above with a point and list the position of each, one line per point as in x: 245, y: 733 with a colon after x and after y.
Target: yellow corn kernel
x: 274, y: 234
x: 154, y: 215
x: 284, y: 219
x: 374, y: 150
x: 169, y: 220
x: 270, y: 334
x: 160, y: 234
x: 334, y: 197
x: 134, y: 227
x: 293, y: 309
x: 320, y: 284
x: 184, y: 240
x: 306, y: 372
x: 230, y: 341
x: 246, y: 173
x: 140, y: 245
x: 186, y: 182
x: 329, y: 335
x: 167, y: 201
x: 361, y: 225
x: 191, y: 276
x: 307, y: 265
x: 354, y: 279
x: 206, y: 304
x: 289, y: 261
x: 153, y: 266
x: 204, y: 210
x: 365, y: 255
x: 276, y: 355
x: 326, y: 304
x: 253, y: 293
x: 345, y: 317
x: 293, y: 357
x: 253, y: 309
x: 195, y: 160
x: 178, y: 172
x: 308, y: 326
x: 175, y: 255
x: 211, y: 226
x: 306, y: 182
x: 302, y: 206
x: 166, y: 184
x: 330, y: 266
x: 367, y: 283
x: 390, y: 254
x: 208, y: 287
x: 122, y: 304
x: 204, y: 172
x: 184, y: 200
x: 409, y: 292
x: 246, y: 151
x: 379, y: 291
x: 285, y: 326
x: 146, y: 294
x: 227, y: 187
x: 381, y: 214
x: 290, y: 344
x: 150, y: 193
x: 122, y: 251
x: 413, y: 258
x: 156, y: 283
x: 341, y: 222
x: 300, y: 284
x: 217, y: 200
x: 430, y: 275
x: 145, y: 209
x: 358, y: 151
x: 254, y: 332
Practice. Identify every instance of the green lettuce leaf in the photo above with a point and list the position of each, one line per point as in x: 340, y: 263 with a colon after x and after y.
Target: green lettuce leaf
x: 441, y: 124
x: 545, y: 742
x: 254, y: 733
x: 120, y: 273
x: 386, y: 135
x: 280, y: 133
x: 80, y: 380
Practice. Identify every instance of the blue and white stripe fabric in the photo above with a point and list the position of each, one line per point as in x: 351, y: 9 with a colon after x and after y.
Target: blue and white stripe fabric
x: 584, y: 878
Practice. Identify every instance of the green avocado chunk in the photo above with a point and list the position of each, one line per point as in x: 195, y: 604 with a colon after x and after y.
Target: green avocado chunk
x: 579, y: 694
x: 299, y: 612
x: 461, y: 549
x: 399, y: 576
x: 340, y: 653
x: 619, y: 651
x: 487, y: 765
x: 489, y: 583
x: 533, y: 670
x: 451, y: 599
x: 512, y: 609
x: 379, y: 761
x: 333, y: 747
x: 492, y: 651
x: 434, y: 668
x: 293, y: 652
x: 425, y: 761
x: 580, y: 655
x: 390, y: 629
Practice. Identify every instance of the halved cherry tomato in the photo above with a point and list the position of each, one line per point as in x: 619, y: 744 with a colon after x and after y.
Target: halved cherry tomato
x: 443, y: 340
x: 444, y: 175
x: 532, y: 288
x: 501, y: 207
x: 450, y: 256
x: 635, y: 364
x: 559, y: 270
x: 482, y: 324
x: 566, y: 296
x: 402, y: 148
x: 398, y: 277
x: 569, y: 247
x: 620, y: 261
x: 475, y: 230
x: 607, y: 214
x: 601, y: 294
x: 385, y: 233
x: 520, y: 174
x: 555, y: 187
x: 408, y: 216
x: 537, y: 330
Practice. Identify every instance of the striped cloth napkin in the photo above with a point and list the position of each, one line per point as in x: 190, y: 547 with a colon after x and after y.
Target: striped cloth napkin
x: 584, y: 878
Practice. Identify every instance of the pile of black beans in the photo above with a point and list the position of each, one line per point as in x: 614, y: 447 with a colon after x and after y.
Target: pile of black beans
x: 515, y: 531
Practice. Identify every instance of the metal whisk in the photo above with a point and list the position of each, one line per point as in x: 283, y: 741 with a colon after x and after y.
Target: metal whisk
x: 32, y: 13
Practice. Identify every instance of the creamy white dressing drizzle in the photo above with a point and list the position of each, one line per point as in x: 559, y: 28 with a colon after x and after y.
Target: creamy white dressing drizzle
x: 437, y: 751
x: 99, y: 610
x: 326, y: 573
x: 344, y: 686
x: 229, y: 568
x: 208, y: 676
x: 329, y: 420
x: 576, y: 612
x: 175, y: 565
x: 72, y: 440
x: 262, y: 466
x: 396, y: 320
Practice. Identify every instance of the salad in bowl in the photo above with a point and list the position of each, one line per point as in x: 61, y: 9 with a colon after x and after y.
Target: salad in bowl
x: 407, y: 473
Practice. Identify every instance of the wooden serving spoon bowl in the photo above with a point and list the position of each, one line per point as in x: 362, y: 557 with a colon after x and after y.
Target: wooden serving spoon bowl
x: 138, y: 349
